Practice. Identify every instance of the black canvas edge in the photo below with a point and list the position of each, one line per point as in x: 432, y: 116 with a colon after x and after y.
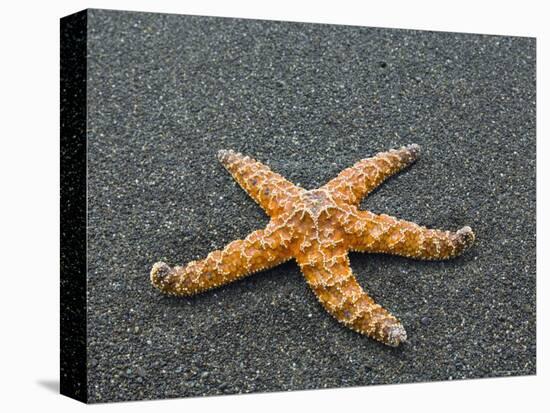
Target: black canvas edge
x: 73, y: 84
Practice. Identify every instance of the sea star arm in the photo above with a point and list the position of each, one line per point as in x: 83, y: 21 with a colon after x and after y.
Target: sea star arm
x: 329, y: 275
x: 354, y: 183
x: 384, y: 234
x: 269, y: 189
x: 260, y: 250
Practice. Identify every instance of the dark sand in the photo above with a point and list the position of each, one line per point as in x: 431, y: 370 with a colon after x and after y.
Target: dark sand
x: 166, y: 92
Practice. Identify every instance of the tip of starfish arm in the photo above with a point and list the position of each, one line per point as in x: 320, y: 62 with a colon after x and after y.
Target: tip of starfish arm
x: 224, y: 154
x: 159, y: 272
x: 414, y: 149
x: 466, y: 236
x: 396, y: 335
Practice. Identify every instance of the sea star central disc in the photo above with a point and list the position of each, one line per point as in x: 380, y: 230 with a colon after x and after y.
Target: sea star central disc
x: 318, y: 228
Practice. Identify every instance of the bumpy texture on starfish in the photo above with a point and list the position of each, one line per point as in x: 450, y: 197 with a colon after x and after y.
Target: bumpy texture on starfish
x: 317, y: 228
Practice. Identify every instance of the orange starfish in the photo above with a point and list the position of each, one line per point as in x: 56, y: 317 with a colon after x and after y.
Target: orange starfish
x: 317, y: 228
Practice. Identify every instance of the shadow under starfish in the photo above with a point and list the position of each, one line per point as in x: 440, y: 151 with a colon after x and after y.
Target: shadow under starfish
x: 318, y: 228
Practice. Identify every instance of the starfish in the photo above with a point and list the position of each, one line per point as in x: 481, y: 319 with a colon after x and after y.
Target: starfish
x: 318, y: 228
